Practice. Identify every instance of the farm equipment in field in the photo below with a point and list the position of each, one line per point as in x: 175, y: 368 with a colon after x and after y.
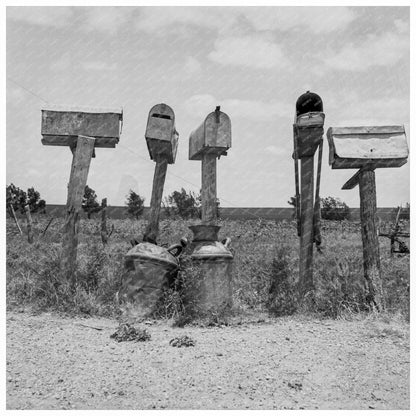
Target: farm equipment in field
x: 395, y: 234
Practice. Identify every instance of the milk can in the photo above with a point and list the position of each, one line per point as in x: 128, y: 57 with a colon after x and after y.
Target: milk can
x: 213, y: 261
x: 148, y: 267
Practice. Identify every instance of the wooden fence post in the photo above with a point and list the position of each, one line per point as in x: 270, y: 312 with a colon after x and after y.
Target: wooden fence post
x: 15, y: 219
x: 29, y: 225
x: 104, y: 234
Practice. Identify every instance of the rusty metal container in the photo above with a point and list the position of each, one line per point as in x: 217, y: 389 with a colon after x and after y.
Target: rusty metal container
x: 161, y: 135
x: 213, y: 260
x: 148, y: 268
x: 213, y: 136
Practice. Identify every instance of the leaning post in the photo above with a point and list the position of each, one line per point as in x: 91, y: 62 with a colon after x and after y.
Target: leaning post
x: 162, y: 142
x: 81, y: 129
x: 368, y: 148
x: 307, y: 133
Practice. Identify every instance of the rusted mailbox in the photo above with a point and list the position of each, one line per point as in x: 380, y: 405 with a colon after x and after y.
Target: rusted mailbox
x: 213, y: 136
x: 375, y: 146
x: 62, y: 125
x: 161, y: 135
x: 367, y: 148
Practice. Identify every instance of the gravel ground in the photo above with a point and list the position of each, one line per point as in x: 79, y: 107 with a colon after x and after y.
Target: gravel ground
x: 62, y: 363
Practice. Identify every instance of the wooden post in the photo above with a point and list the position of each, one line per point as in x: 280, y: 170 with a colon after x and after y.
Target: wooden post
x: 77, y: 182
x: 152, y: 230
x: 29, y: 225
x: 209, y: 188
x: 15, y: 219
x: 104, y: 235
x: 306, y: 226
x: 368, y: 212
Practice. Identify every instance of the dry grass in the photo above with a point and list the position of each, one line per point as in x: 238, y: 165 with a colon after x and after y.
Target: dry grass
x: 265, y: 270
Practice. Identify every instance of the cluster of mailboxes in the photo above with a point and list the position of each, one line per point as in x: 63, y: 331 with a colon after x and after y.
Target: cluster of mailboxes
x: 62, y: 125
x: 349, y: 147
x: 352, y: 147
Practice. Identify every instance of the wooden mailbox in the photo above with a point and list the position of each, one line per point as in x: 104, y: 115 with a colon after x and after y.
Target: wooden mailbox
x: 161, y: 135
x: 368, y: 148
x: 374, y: 146
x: 308, y: 131
x: 213, y: 136
x: 62, y: 125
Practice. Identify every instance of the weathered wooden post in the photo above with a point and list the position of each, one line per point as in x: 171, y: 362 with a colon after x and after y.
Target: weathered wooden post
x: 307, y: 133
x: 368, y: 148
x: 162, y: 142
x: 29, y: 225
x: 82, y: 129
x: 148, y: 267
x: 104, y: 233
x: 208, y: 142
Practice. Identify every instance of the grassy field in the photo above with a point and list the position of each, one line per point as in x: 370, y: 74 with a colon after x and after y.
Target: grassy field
x: 265, y: 269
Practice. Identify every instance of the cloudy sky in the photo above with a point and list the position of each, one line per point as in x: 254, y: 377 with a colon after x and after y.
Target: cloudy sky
x: 253, y: 61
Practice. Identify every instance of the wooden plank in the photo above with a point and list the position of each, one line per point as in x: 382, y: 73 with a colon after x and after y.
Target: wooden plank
x: 355, y: 179
x: 71, y: 141
x: 29, y: 225
x: 68, y: 123
x: 396, y: 129
x: 77, y: 182
x: 342, y: 163
x: 371, y: 254
x: 152, y: 230
x: 371, y: 147
x: 306, y: 226
x: 209, y: 188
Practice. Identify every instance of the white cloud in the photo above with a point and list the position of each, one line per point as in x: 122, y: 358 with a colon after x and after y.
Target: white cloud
x: 384, y: 50
x: 192, y: 65
x: 99, y: 66
x: 107, y: 20
x: 277, y: 151
x: 256, y: 111
x: 43, y: 16
x: 249, y: 51
x: 63, y: 63
x: 316, y: 19
x: 154, y: 19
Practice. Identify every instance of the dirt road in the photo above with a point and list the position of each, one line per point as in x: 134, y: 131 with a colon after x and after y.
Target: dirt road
x: 62, y: 363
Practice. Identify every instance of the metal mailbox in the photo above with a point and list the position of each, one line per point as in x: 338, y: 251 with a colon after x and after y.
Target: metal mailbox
x: 372, y: 146
x: 308, y: 131
x: 213, y: 136
x: 62, y: 125
x: 161, y: 135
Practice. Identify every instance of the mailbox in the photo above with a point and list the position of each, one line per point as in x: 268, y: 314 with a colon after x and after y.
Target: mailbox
x: 373, y: 146
x: 213, y: 136
x: 308, y: 131
x: 161, y: 135
x: 62, y: 125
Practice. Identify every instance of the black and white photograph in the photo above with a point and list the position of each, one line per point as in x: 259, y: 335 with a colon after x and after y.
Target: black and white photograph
x: 207, y: 206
